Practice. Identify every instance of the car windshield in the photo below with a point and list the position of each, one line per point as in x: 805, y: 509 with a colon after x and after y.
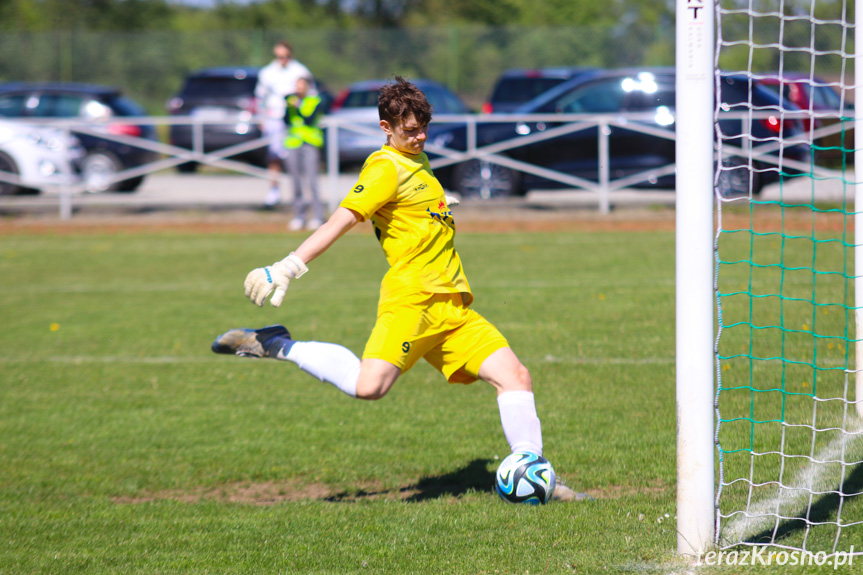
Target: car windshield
x: 55, y: 105
x: 444, y: 102
x: 824, y: 97
x: 441, y: 101
x: 125, y: 107
x: 12, y: 106
x: 607, y: 95
x: 361, y: 99
x: 643, y: 101
x: 219, y: 87
x: 597, y: 98
x: 517, y: 90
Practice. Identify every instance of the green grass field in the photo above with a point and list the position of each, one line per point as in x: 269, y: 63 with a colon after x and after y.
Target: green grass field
x: 126, y: 446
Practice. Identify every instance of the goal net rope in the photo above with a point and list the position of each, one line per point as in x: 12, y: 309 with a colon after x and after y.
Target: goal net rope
x: 789, y: 437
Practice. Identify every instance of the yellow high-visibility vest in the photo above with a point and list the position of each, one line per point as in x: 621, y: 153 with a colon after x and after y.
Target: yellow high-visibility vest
x: 302, y: 123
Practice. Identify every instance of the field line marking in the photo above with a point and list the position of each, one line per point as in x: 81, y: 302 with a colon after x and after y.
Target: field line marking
x: 814, y: 476
x: 604, y: 360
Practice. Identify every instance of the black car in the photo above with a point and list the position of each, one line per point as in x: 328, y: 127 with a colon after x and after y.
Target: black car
x: 358, y: 104
x: 223, y: 93
x: 631, y: 151
x: 519, y: 85
x: 104, y: 157
x: 213, y: 94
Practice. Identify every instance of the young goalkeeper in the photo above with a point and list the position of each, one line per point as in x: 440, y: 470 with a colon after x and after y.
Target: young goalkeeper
x: 424, y: 307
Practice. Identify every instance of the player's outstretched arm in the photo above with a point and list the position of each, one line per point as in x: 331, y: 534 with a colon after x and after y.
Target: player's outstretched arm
x: 339, y: 223
x: 274, y: 280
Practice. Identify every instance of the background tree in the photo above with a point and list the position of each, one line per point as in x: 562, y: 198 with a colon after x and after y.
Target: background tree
x: 148, y: 46
x: 120, y: 15
x: 106, y: 15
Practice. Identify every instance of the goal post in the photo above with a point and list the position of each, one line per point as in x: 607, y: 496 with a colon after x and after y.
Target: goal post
x: 769, y: 261
x: 858, y: 203
x: 694, y: 298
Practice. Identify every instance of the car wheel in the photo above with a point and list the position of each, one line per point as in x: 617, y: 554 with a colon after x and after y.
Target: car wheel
x: 261, y: 159
x: 130, y: 185
x: 7, y: 164
x: 737, y: 179
x: 97, y: 170
x: 485, y: 180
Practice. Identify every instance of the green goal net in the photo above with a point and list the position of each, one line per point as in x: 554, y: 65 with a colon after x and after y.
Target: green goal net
x: 788, y: 435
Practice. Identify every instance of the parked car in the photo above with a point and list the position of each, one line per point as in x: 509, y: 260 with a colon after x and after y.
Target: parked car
x: 101, y: 104
x: 816, y: 95
x: 650, y: 91
x: 517, y: 86
x: 213, y: 94
x: 807, y: 92
x: 358, y: 103
x: 39, y: 156
x: 223, y: 93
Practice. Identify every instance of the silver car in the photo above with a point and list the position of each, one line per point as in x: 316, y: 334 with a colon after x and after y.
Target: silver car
x: 33, y: 158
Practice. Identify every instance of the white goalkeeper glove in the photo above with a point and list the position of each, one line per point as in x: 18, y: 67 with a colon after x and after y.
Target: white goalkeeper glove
x: 274, y: 279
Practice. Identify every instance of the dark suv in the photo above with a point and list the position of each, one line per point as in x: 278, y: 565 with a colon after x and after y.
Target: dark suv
x: 636, y: 147
x: 213, y: 94
x: 517, y: 86
x: 104, y: 157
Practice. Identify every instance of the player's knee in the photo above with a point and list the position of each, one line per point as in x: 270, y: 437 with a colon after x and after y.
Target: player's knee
x: 370, y: 393
x: 371, y: 388
x: 518, y: 380
x: 523, y: 379
x: 376, y: 378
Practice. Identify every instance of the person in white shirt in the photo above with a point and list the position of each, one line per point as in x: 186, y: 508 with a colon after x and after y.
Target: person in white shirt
x: 276, y: 81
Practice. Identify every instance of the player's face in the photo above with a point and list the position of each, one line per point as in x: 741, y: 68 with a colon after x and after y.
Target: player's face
x: 407, y: 136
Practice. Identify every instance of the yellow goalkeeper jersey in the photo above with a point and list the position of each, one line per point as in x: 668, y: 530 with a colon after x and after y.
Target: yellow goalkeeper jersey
x: 406, y: 204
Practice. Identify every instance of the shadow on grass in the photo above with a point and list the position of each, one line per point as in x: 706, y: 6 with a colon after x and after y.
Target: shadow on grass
x: 821, y: 510
x: 474, y: 476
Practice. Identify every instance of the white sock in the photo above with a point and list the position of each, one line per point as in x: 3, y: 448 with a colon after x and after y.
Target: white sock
x: 520, y: 424
x: 328, y: 362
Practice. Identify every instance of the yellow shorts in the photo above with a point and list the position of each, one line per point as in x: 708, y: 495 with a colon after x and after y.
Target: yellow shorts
x: 449, y: 335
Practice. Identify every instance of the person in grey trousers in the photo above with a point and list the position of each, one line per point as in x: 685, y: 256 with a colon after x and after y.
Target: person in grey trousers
x: 304, y: 140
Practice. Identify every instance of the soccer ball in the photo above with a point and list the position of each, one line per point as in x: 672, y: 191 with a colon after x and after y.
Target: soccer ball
x: 525, y: 478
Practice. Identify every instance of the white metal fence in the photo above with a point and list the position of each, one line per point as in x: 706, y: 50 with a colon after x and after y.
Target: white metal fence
x: 557, y: 125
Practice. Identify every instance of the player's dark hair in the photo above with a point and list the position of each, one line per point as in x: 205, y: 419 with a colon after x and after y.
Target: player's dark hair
x: 399, y: 99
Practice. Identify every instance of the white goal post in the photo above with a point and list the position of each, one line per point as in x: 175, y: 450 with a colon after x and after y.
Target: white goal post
x: 694, y: 276
x: 769, y: 381
x: 858, y: 201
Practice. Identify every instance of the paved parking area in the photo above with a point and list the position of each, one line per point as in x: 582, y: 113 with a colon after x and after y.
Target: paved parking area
x: 171, y: 191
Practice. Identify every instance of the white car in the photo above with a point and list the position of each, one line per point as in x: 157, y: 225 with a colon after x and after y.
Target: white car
x: 37, y: 157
